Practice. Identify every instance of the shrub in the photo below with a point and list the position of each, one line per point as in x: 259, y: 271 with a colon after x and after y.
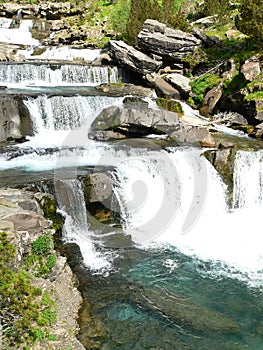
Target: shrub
x: 42, y: 245
x: 250, y: 20
x: 20, y: 305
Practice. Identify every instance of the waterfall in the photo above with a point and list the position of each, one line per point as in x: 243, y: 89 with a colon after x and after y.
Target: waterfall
x: 71, y: 201
x: 5, y: 23
x: 248, y: 180
x: 45, y: 74
x: 200, y: 223
x: 19, y: 36
x: 66, y: 119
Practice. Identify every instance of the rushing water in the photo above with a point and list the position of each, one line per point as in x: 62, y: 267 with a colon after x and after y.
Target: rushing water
x: 194, y: 278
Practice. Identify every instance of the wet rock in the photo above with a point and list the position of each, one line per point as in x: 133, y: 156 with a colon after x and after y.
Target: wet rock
x: 250, y: 70
x: 98, y: 187
x: 140, y: 122
x: 194, y: 135
x: 135, y: 60
x: 124, y: 90
x: 106, y: 135
x: 171, y: 44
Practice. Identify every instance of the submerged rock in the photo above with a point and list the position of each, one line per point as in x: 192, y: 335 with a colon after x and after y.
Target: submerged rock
x: 186, y: 312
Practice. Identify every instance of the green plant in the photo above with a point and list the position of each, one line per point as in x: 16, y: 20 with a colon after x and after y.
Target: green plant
x: 258, y: 95
x: 21, y: 307
x: 201, y: 85
x: 250, y: 20
x: 42, y: 245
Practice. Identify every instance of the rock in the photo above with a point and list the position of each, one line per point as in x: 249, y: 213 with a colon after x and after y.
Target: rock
x: 98, y: 188
x: 211, y: 98
x: 186, y: 312
x: 250, y: 70
x: 9, y: 119
x: 162, y: 88
x: 106, y: 135
x: 170, y: 105
x: 171, y: 44
x: 127, y: 56
x: 124, y: 90
x: 229, y: 119
x: 259, y: 130
x: 180, y: 82
x: 200, y: 34
x: 102, y: 59
x: 230, y: 69
x: 135, y: 122
x: 205, y: 21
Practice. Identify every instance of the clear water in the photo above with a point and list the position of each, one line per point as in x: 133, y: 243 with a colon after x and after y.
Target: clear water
x: 198, y: 283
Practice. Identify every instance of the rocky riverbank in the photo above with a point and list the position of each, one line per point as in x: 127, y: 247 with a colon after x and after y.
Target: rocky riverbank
x: 23, y: 219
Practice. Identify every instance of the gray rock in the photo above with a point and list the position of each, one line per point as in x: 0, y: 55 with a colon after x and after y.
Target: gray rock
x: 162, y: 87
x: 211, y: 98
x: 134, y: 121
x: 124, y: 90
x: 200, y: 34
x: 250, y: 70
x: 195, y: 135
x: 106, y: 135
x: 127, y: 56
x: 180, y: 82
x: 171, y: 44
x: 100, y: 187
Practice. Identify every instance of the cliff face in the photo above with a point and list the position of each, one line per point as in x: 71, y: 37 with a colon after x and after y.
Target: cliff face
x: 23, y: 219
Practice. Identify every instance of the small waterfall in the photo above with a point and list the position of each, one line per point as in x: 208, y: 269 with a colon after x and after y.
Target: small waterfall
x: 5, y: 23
x: 19, y: 36
x: 43, y: 74
x: 66, y: 113
x: 248, y: 180
x: 71, y: 201
x: 64, y: 53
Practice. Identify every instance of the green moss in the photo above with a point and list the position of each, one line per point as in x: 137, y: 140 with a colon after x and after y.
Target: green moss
x: 170, y: 105
x: 258, y: 95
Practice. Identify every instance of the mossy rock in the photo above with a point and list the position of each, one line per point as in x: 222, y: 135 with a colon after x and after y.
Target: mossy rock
x: 170, y: 105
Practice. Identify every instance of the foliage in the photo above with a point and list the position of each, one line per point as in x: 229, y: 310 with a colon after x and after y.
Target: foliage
x: 218, y: 8
x: 22, y: 310
x: 250, y: 20
x: 258, y: 95
x: 193, y: 59
x: 41, y: 245
x: 201, y: 85
x: 40, y: 261
x: 120, y: 15
x: 170, y: 12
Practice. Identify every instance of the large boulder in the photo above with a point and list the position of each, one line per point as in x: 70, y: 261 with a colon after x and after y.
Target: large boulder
x: 250, y: 70
x: 171, y: 44
x: 15, y: 122
x: 127, y: 56
x: 135, y: 122
x: 180, y: 82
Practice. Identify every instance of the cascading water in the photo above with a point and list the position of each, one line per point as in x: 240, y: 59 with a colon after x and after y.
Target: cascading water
x: 248, y: 180
x: 70, y: 197
x: 67, y: 74
x: 19, y: 36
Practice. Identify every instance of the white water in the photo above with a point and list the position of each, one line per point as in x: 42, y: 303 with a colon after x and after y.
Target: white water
x: 64, y: 121
x: 201, y: 225
x: 70, y: 197
x: 19, y: 36
x: 45, y: 75
x: 63, y: 53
